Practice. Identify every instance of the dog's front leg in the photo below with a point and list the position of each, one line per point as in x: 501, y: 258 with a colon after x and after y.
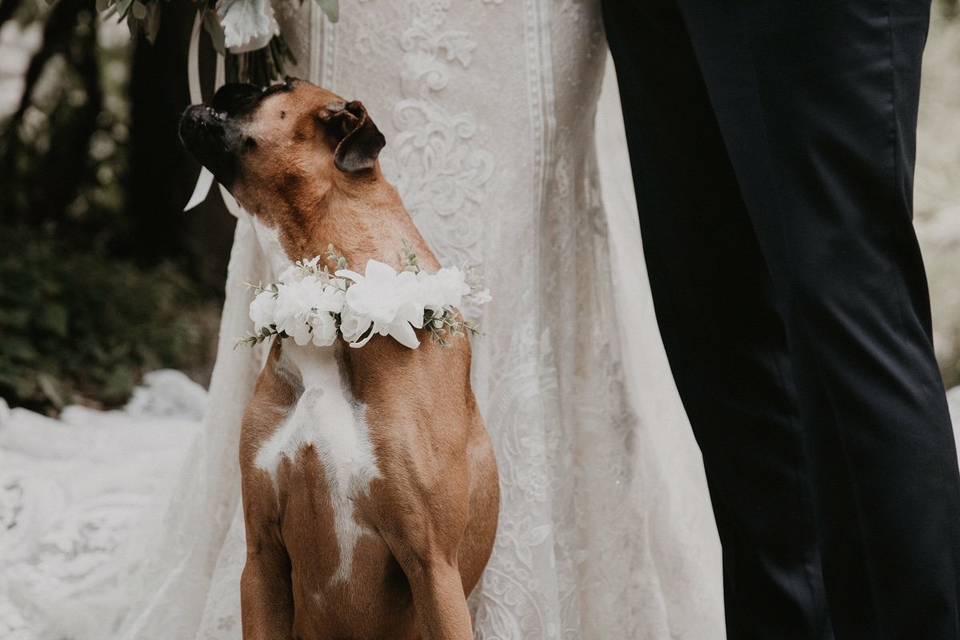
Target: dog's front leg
x: 434, y: 578
x: 266, y: 591
x: 266, y: 595
x: 439, y: 601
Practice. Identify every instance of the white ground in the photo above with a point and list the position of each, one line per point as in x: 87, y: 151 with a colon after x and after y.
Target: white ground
x: 72, y: 489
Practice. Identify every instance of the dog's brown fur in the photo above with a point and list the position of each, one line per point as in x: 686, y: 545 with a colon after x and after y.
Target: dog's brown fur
x: 433, y: 510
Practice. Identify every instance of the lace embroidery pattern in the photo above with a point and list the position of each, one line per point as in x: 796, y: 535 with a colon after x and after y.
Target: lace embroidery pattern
x: 438, y: 167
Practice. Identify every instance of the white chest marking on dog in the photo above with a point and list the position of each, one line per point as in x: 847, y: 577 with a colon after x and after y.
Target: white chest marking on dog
x: 326, y: 418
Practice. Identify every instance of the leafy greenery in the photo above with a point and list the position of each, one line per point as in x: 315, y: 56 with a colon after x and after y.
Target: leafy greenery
x: 84, y: 307
x: 77, y: 326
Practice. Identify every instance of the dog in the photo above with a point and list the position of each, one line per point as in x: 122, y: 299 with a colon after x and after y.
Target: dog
x: 370, y: 488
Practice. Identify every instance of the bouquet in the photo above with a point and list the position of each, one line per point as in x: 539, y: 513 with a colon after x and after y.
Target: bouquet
x: 244, y: 31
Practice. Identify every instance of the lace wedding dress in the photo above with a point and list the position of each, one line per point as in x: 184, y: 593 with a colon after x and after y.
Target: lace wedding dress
x: 605, y: 531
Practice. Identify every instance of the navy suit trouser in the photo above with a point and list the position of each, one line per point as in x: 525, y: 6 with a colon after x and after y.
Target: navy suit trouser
x: 773, y: 146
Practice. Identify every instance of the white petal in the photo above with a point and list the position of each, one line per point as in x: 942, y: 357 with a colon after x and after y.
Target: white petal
x: 380, y: 270
x: 403, y: 333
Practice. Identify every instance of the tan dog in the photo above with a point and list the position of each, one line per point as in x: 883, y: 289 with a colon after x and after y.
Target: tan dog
x: 370, y: 490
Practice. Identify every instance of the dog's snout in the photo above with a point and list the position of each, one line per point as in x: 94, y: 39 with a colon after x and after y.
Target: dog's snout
x: 196, y: 123
x: 205, y: 134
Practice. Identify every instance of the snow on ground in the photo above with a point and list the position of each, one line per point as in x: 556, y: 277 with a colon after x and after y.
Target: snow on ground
x: 71, y: 490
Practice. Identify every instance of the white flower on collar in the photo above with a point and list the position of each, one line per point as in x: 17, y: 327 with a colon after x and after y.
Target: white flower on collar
x: 310, y: 305
x: 262, y: 310
x: 306, y: 310
x: 381, y: 302
x: 445, y: 288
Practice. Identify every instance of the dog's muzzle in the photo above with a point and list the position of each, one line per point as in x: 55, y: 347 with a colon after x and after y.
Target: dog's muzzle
x: 202, y: 129
x: 207, y: 134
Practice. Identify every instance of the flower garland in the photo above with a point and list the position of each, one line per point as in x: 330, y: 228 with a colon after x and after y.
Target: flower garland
x: 311, y: 305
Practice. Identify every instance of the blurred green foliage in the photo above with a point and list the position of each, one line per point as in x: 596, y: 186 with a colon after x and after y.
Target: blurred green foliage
x: 82, y: 327
x: 86, y: 305
x: 64, y: 151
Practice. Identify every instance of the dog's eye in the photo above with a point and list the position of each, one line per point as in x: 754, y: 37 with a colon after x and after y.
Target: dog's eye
x: 249, y: 144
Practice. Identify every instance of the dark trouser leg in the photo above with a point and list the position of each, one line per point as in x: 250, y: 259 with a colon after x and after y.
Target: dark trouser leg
x: 723, y: 336
x: 816, y: 102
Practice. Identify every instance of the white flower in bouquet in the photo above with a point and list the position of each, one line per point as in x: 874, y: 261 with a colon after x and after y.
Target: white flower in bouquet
x: 247, y: 24
x: 381, y: 302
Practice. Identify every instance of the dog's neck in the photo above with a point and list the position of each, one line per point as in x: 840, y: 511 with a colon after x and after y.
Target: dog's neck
x: 369, y: 226
x: 363, y: 222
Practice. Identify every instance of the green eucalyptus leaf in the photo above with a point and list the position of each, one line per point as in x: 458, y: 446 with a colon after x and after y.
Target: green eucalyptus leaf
x: 20, y: 349
x: 53, y: 318
x: 331, y: 8
x: 123, y: 8
x: 14, y: 318
x: 152, y: 23
x: 211, y: 22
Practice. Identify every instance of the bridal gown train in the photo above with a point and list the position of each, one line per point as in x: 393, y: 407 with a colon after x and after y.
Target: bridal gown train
x: 606, y: 531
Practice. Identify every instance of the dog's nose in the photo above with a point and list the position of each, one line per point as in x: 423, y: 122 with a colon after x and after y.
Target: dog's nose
x: 201, y: 130
x: 206, y: 134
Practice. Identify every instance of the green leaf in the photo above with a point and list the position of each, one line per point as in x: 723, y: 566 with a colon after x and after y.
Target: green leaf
x: 19, y: 348
x: 331, y: 8
x: 123, y: 7
x: 54, y: 319
x: 14, y: 318
x: 151, y: 24
x: 211, y: 22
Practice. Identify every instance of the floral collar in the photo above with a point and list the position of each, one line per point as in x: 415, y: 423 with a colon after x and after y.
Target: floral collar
x: 309, y: 304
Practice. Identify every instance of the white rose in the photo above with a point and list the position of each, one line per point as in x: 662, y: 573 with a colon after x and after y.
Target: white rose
x: 247, y: 24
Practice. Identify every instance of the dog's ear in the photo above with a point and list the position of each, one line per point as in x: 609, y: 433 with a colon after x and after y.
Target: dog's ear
x: 358, y: 140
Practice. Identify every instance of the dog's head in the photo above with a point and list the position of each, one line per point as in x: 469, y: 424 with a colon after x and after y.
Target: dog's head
x: 290, y: 140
